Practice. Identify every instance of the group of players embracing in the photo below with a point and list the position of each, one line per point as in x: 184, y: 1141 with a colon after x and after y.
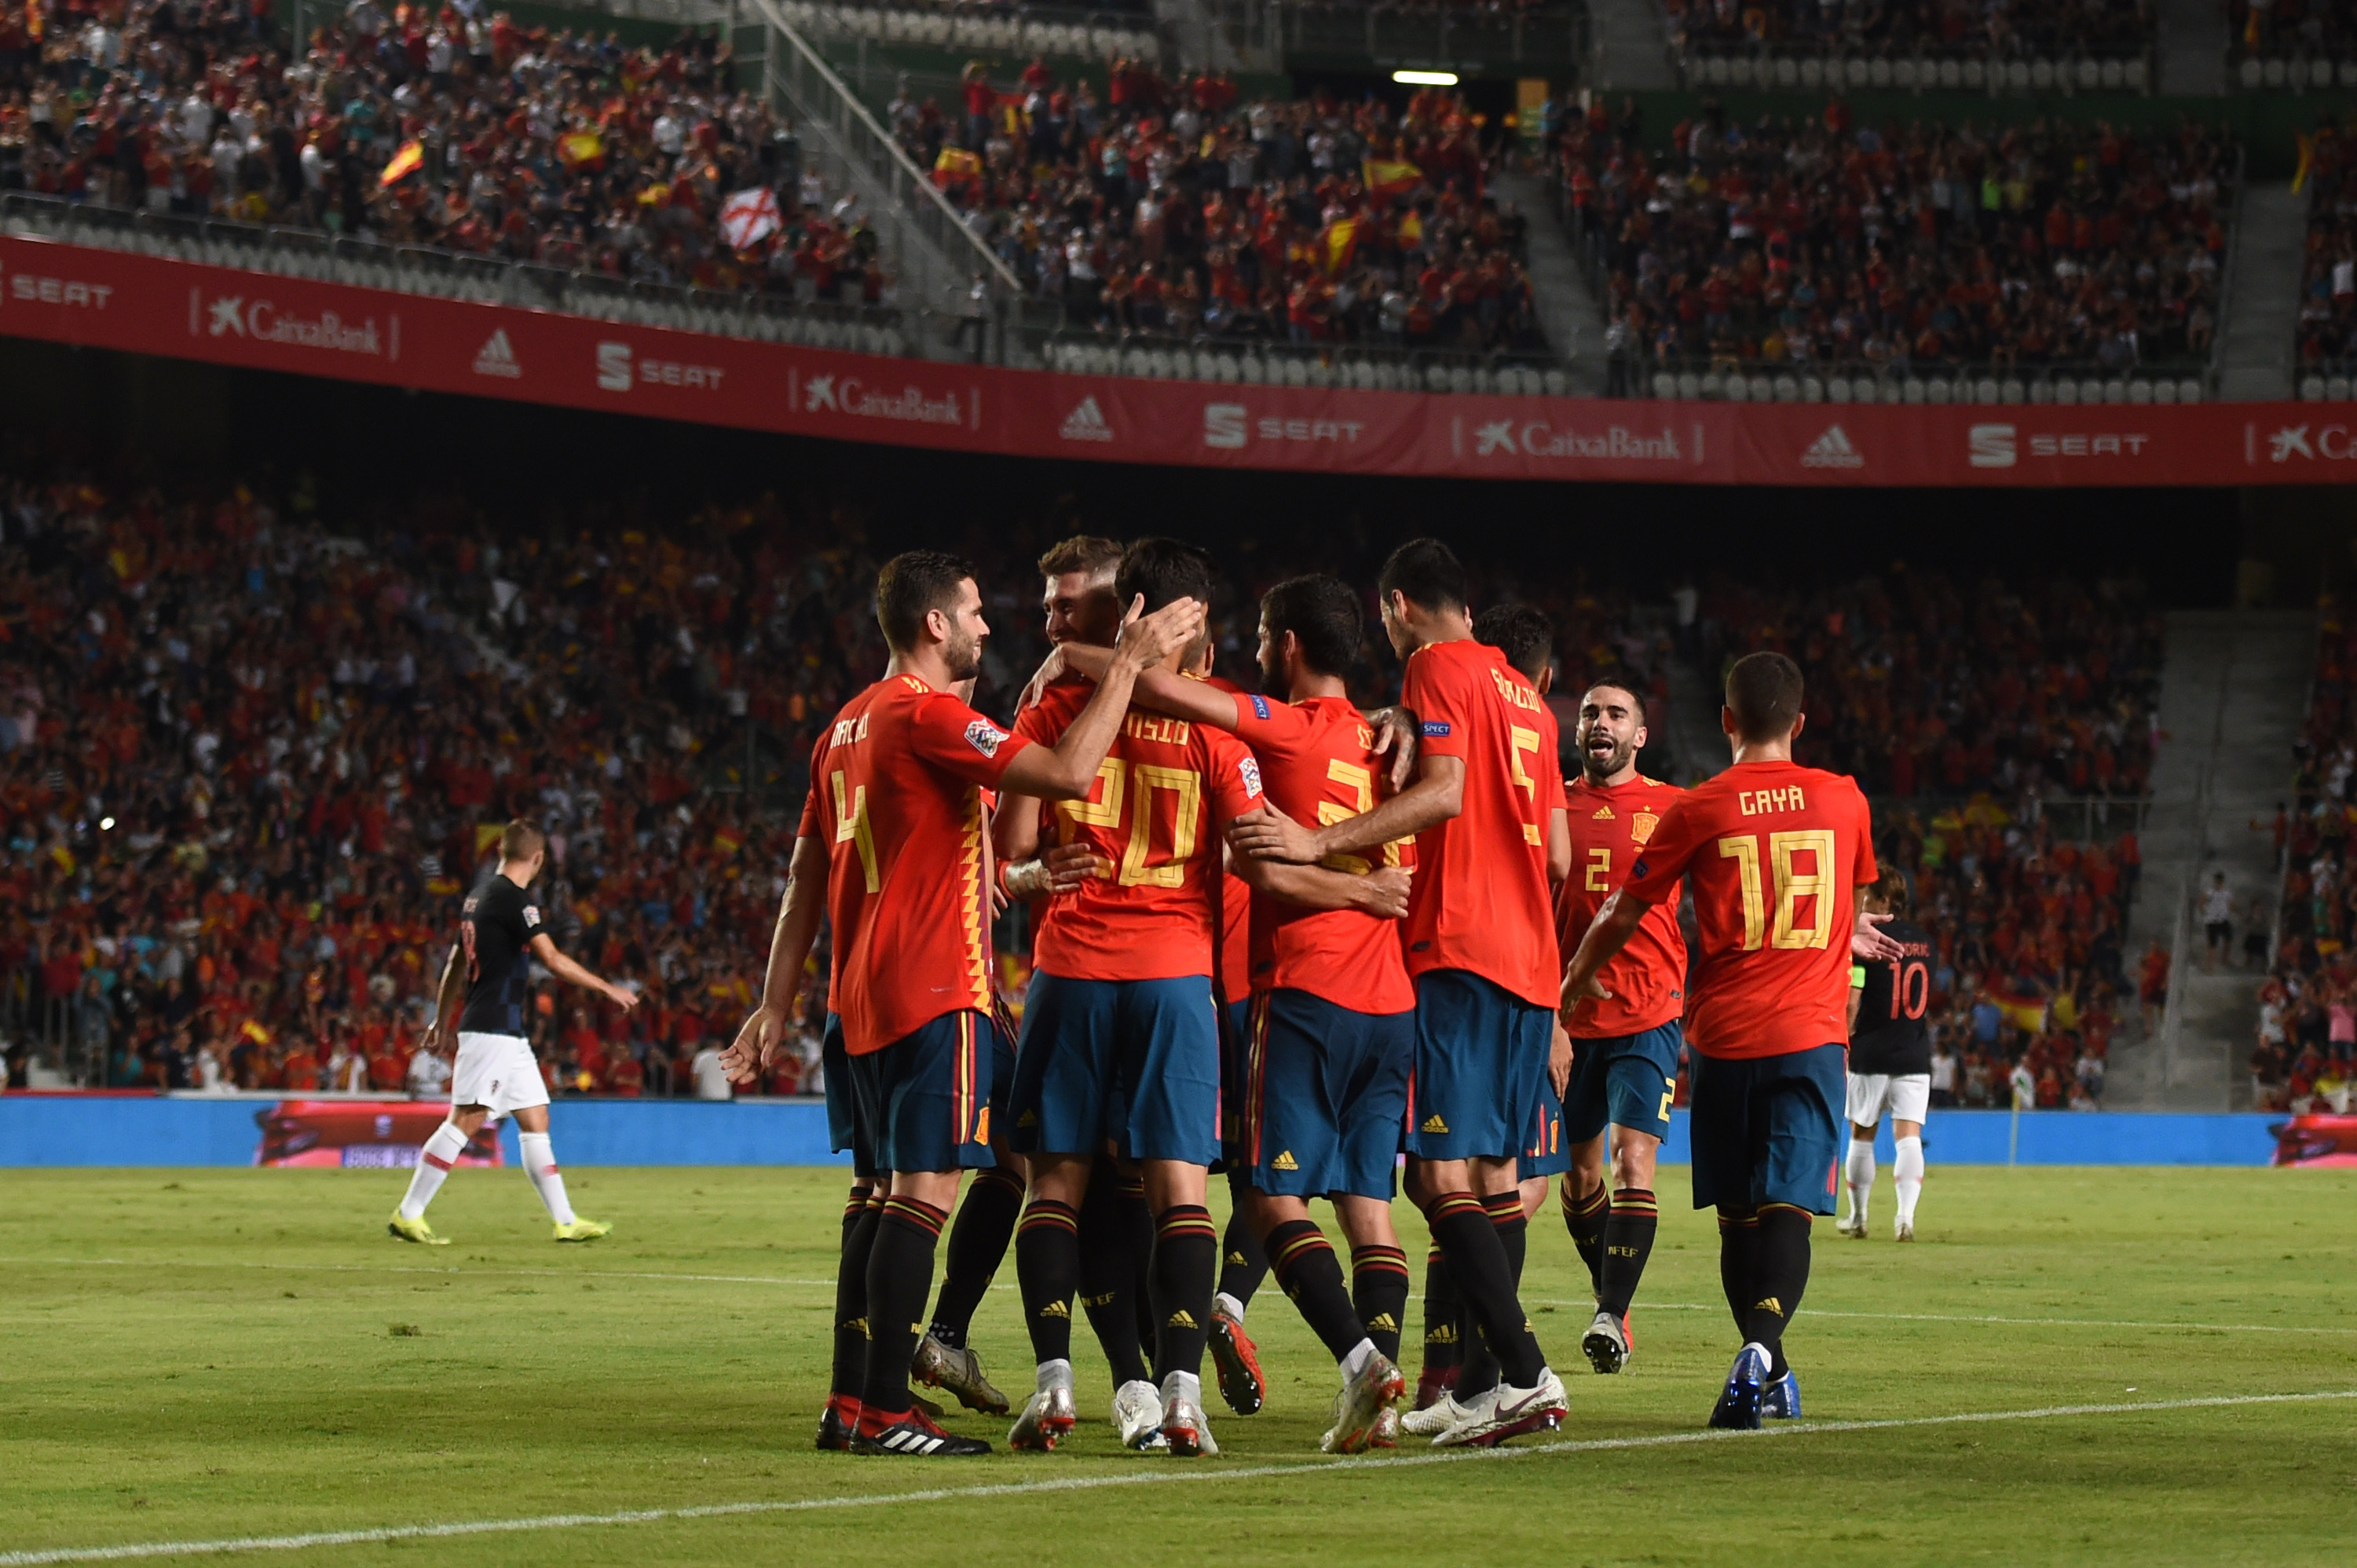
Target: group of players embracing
x: 1281, y: 937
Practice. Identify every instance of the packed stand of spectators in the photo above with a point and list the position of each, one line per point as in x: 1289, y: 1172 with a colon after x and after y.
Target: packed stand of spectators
x: 2328, y: 305
x: 2306, y: 1055
x: 451, y: 128
x: 1175, y: 211
x: 2314, y: 28
x: 1907, y: 29
x: 1929, y: 246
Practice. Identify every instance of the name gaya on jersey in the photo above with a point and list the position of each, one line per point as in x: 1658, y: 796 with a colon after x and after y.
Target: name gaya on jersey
x: 1774, y: 853
x: 1154, y: 818
x: 1610, y: 826
x: 896, y: 795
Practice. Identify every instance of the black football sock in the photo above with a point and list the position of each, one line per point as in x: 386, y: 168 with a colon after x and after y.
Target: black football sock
x: 899, y: 1273
x: 1485, y: 1275
x: 1311, y: 1278
x: 1627, y: 1242
x: 859, y: 1220
x: 1780, y: 1272
x: 1047, y: 1265
x: 1137, y: 1227
x: 1585, y: 1218
x: 1737, y: 1229
x: 978, y: 1241
x: 1186, y: 1259
x: 1243, y: 1262
x: 1379, y: 1284
x: 1444, y: 1340
x: 1108, y: 1275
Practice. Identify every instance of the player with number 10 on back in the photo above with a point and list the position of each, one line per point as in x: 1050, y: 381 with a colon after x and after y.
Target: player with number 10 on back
x: 1776, y: 855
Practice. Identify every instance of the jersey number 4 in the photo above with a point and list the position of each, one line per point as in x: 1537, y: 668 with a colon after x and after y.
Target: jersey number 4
x: 1790, y: 883
x: 851, y: 827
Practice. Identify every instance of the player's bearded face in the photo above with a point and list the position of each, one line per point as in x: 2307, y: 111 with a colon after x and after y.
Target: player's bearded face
x: 1272, y: 666
x: 1608, y: 737
x: 962, y: 649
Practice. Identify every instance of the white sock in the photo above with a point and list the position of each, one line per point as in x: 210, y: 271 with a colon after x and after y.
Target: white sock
x: 1909, y: 1175
x: 540, y: 1164
x: 1054, y: 1375
x: 1186, y: 1386
x: 1356, y: 1359
x: 1229, y: 1305
x: 434, y: 1162
x: 1861, y: 1178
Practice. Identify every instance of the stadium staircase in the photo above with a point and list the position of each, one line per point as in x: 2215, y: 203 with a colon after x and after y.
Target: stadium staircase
x: 1631, y: 46
x: 1568, y: 313
x: 2261, y: 306
x: 2234, y: 688
x: 1697, y: 746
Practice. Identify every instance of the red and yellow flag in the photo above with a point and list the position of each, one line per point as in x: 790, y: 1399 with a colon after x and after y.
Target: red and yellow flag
x: 1337, y: 244
x: 1387, y: 178
x: 581, y: 147
x: 403, y: 163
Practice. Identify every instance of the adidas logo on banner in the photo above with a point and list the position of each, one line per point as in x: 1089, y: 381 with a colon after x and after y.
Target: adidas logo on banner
x: 1087, y: 423
x: 1833, y: 450
x: 496, y: 359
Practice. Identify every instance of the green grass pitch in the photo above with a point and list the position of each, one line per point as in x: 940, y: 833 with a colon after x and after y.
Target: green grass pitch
x: 202, y: 1356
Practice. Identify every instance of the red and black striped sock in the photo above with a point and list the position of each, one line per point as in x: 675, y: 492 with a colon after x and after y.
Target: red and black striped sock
x: 1505, y: 1212
x: 1311, y: 1278
x: 1379, y: 1285
x: 1047, y: 1265
x: 1585, y: 1218
x: 1780, y: 1272
x: 1444, y: 1311
x: 1627, y: 1242
x: 1485, y: 1274
x: 978, y: 1242
x: 1186, y: 1257
x: 859, y: 1219
x: 899, y: 1275
x: 1111, y: 1256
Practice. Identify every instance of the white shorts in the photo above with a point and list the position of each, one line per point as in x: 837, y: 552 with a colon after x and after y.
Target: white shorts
x: 1904, y: 1098
x: 498, y: 1071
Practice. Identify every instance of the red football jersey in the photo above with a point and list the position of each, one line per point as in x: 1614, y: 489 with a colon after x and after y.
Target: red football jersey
x: 1235, y: 908
x: 1609, y: 827
x: 1319, y: 764
x: 896, y: 796
x: 1776, y: 854
x: 1482, y: 901
x: 1156, y: 816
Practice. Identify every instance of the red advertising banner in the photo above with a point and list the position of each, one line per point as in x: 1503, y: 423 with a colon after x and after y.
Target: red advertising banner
x: 377, y: 1134
x: 147, y: 305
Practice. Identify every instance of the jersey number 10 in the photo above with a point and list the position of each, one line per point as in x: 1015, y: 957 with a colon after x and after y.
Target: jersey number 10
x: 1790, y: 885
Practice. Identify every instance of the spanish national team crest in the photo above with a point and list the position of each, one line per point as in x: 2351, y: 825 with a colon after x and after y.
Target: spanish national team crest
x: 1641, y: 827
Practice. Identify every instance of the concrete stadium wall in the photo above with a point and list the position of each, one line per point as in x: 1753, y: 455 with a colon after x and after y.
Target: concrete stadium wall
x: 51, y: 1130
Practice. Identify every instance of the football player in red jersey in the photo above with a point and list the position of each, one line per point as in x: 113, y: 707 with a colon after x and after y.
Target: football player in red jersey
x: 1481, y: 953
x: 1775, y: 854
x: 890, y: 853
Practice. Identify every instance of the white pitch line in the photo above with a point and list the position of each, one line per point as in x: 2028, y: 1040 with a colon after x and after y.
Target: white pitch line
x: 1158, y: 1477
x: 1808, y: 1311
x: 407, y: 1269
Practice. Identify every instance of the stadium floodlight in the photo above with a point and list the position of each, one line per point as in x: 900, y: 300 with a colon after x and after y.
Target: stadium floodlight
x: 1425, y: 78
x: 106, y: 825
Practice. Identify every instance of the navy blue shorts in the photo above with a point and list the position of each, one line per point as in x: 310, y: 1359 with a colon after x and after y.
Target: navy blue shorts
x: 922, y: 1103
x: 1768, y: 1129
x: 1325, y: 1097
x: 1479, y: 1080
x: 1002, y: 1076
x: 1235, y: 1031
x: 1132, y: 1062
x: 1548, y: 1152
x: 1626, y: 1080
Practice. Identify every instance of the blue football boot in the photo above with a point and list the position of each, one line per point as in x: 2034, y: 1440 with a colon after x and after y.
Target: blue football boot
x: 1747, y: 1381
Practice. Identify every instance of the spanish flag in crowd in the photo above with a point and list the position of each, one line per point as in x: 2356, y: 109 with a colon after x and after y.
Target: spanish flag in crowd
x: 1387, y: 178
x: 254, y: 1032
x: 581, y: 148
x: 955, y: 164
x: 403, y: 163
x: 2023, y: 1012
x: 1335, y: 244
x: 727, y: 842
x: 2307, y: 160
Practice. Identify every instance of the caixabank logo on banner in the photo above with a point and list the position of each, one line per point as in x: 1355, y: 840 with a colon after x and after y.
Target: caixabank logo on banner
x: 1515, y: 437
x: 258, y: 318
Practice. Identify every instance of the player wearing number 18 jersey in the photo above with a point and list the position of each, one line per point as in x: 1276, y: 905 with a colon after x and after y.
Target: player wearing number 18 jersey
x: 1775, y: 854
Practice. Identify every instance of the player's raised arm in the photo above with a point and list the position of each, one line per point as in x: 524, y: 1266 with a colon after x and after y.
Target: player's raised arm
x: 1067, y: 770
x: 1437, y: 796
x: 1197, y: 702
x: 1381, y: 892
x: 791, y: 940
x: 567, y: 968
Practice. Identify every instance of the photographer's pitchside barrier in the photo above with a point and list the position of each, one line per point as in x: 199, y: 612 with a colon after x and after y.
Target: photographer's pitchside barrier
x: 151, y: 304
x: 65, y: 1130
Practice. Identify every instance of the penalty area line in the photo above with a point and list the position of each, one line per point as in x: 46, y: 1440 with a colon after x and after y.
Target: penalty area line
x: 1163, y: 1477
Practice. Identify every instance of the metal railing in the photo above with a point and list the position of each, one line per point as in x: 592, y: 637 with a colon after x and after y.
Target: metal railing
x: 1811, y: 67
x: 1057, y: 30
x: 1260, y: 361
x: 1552, y: 39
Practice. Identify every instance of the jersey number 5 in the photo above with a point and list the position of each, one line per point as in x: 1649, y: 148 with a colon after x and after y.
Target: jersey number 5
x: 1791, y: 884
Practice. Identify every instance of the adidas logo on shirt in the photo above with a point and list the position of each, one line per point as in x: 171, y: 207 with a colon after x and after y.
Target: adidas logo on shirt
x: 1285, y: 1162
x: 496, y: 359
x: 1603, y: 815
x: 1086, y: 423
x: 1433, y: 1123
x: 1833, y: 450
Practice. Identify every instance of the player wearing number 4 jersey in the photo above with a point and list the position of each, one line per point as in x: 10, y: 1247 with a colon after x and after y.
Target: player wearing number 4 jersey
x: 1890, y: 1061
x: 890, y: 853
x: 1775, y: 854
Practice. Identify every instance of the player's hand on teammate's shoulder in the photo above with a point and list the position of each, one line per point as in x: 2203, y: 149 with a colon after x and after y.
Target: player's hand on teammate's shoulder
x: 1051, y: 669
x: 748, y: 1055
x: 1397, y: 734
x: 1149, y: 640
x: 1385, y: 890
x: 1867, y: 940
x: 1266, y: 833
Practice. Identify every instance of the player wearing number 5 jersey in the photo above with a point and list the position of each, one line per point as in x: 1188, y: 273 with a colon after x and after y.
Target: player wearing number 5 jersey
x: 1890, y: 1060
x: 1775, y: 854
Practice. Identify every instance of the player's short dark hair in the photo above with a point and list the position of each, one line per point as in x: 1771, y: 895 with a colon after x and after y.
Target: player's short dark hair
x: 1322, y: 613
x: 1081, y: 553
x: 1764, y: 688
x: 913, y: 585
x: 1889, y: 890
x: 520, y: 840
x: 1165, y: 571
x: 1636, y: 698
x: 1523, y: 634
x: 1427, y: 572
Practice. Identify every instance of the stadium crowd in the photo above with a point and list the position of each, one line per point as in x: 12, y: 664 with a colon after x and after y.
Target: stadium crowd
x: 1174, y: 209
x: 2003, y: 29
x: 1930, y: 245
x: 2328, y: 305
x: 2326, y: 28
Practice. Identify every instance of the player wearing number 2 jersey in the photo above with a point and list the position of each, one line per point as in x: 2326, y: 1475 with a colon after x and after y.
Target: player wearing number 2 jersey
x: 1890, y: 1061
x: 1775, y: 854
